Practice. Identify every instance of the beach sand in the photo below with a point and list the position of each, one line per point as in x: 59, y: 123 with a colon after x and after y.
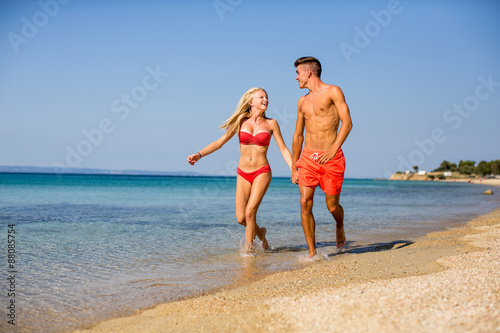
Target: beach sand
x: 447, y: 281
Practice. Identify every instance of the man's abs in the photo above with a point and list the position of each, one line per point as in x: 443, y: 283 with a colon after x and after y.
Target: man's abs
x: 320, y: 135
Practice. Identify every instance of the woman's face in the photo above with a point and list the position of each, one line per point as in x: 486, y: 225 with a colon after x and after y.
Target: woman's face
x: 259, y: 101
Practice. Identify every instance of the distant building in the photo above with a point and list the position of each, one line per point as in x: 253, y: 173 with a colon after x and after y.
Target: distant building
x: 447, y: 173
x: 421, y: 173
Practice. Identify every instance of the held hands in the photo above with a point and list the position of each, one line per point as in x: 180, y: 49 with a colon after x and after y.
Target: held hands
x: 295, y: 176
x: 192, y: 159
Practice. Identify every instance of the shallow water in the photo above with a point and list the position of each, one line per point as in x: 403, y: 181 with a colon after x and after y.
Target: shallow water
x: 92, y: 247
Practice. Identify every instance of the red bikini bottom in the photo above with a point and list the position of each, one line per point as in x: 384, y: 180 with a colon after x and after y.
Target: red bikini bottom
x: 250, y: 176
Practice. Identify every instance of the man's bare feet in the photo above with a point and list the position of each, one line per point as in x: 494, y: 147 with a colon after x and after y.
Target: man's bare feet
x: 340, y: 237
x: 263, y: 239
x: 312, y: 254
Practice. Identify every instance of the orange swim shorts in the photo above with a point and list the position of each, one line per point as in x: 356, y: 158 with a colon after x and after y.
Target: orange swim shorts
x: 328, y: 176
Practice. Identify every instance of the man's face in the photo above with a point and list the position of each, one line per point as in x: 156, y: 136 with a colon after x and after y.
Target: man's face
x: 302, y: 75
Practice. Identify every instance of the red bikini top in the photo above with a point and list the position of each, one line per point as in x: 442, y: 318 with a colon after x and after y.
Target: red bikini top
x: 260, y: 139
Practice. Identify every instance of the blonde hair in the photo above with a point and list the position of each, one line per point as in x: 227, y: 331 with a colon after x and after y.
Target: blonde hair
x: 243, y: 110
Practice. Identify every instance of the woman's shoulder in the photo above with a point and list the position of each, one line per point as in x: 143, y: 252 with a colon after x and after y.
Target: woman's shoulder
x: 271, y: 121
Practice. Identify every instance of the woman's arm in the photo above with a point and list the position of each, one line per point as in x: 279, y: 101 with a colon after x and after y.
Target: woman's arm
x: 281, y: 143
x: 298, y: 140
x: 216, y: 145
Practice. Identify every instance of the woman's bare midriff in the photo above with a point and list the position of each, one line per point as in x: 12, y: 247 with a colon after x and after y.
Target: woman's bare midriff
x: 252, y: 157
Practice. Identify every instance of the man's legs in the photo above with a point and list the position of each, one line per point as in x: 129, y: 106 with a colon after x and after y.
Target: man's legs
x: 332, y: 203
x: 307, y: 218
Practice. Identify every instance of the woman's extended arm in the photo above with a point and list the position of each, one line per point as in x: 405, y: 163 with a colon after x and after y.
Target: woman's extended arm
x: 216, y: 145
x: 281, y: 143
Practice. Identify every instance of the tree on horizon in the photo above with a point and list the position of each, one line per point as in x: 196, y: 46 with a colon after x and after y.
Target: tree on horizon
x: 467, y: 167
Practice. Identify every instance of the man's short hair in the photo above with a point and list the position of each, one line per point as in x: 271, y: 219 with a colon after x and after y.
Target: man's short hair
x: 311, y: 62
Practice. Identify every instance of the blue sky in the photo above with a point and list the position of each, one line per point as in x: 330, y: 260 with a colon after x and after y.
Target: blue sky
x: 143, y: 84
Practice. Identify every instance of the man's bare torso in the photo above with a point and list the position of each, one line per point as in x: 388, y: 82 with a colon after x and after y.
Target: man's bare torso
x: 321, y: 119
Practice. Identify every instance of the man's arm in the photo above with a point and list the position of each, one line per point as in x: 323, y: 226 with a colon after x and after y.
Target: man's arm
x: 338, y: 99
x: 298, y: 139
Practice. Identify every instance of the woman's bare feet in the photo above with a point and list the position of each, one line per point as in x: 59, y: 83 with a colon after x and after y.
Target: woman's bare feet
x: 249, y: 249
x: 263, y: 239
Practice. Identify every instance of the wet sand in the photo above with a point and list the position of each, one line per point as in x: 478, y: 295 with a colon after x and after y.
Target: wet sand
x: 445, y: 281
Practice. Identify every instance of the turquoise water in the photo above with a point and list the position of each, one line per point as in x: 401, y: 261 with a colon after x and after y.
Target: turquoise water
x: 92, y: 247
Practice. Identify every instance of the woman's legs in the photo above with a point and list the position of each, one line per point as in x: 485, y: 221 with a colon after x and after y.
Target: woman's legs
x: 248, y: 199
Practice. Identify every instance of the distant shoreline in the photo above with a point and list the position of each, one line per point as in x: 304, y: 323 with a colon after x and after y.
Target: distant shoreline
x: 113, y: 174
x: 88, y: 171
x: 452, y: 179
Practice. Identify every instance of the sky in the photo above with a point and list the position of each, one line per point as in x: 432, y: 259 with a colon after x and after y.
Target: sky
x: 140, y: 85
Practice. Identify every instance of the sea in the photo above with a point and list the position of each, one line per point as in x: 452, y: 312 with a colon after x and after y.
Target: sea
x: 79, y: 249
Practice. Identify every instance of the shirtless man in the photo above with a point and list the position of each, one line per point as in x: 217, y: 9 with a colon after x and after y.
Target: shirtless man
x: 322, y: 161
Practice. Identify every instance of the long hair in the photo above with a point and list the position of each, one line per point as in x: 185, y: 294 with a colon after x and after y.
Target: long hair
x: 243, y: 110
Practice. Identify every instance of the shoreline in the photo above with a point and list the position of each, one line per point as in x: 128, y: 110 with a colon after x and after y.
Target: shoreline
x: 446, y: 280
x: 424, y: 178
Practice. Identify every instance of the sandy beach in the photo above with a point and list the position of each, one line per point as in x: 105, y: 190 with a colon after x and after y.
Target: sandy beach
x: 447, y: 281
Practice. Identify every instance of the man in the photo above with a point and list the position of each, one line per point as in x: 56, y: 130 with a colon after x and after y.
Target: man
x: 322, y: 162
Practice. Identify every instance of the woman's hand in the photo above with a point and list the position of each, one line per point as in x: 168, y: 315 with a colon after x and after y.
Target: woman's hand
x: 192, y: 159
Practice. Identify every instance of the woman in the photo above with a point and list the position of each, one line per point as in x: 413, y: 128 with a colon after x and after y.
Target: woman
x: 254, y: 130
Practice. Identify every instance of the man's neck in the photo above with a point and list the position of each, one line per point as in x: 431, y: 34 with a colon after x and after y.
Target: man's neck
x: 314, y: 85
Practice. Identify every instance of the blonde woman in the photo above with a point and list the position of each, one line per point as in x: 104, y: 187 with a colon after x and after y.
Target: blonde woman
x: 254, y: 130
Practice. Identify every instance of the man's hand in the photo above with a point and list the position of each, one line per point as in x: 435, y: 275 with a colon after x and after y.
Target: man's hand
x: 325, y: 157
